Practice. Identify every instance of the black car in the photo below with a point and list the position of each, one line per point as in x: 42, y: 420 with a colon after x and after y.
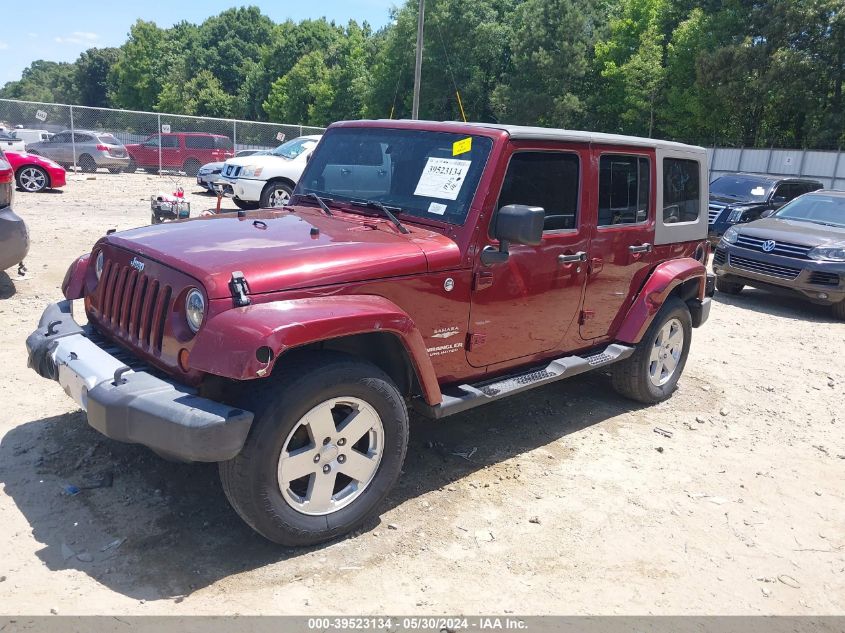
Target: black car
x: 739, y: 198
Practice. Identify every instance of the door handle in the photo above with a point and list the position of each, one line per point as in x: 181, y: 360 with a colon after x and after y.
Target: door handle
x: 344, y: 171
x: 580, y: 256
x: 644, y: 248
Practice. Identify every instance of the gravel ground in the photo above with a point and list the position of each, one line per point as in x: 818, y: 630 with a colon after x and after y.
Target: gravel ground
x: 561, y: 500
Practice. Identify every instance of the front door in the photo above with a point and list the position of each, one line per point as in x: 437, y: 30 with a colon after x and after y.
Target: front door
x: 622, y: 243
x: 530, y: 303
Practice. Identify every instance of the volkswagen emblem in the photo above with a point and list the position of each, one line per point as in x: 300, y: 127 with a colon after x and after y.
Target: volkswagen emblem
x: 768, y: 246
x: 137, y: 264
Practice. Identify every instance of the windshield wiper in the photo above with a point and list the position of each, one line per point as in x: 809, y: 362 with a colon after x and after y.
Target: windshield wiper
x: 321, y: 201
x: 374, y: 204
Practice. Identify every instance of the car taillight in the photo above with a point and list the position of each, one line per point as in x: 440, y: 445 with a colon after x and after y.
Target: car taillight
x: 6, y: 189
x: 103, y: 148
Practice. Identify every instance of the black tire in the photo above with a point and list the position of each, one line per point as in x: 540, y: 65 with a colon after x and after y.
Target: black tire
x: 32, y: 178
x: 243, y: 204
x: 250, y: 479
x: 631, y: 377
x: 115, y: 170
x: 87, y: 164
x: 132, y: 167
x: 839, y: 310
x: 270, y: 192
x: 191, y: 166
x: 728, y: 287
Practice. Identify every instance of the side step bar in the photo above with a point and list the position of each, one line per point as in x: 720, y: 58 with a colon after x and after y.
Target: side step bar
x: 463, y: 397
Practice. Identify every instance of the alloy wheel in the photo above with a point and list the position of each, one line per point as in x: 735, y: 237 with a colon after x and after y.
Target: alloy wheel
x: 32, y: 179
x: 666, y: 353
x: 331, y: 456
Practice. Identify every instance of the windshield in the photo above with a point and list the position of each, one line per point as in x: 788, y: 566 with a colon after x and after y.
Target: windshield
x: 419, y: 173
x: 817, y: 208
x: 294, y: 148
x: 744, y: 188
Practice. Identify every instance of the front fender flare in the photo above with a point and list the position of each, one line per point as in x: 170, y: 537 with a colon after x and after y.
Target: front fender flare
x: 227, y: 344
x: 659, y: 285
x: 73, y: 285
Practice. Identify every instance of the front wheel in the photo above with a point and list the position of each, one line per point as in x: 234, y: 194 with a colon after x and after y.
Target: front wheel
x: 839, y: 310
x: 651, y: 374
x: 32, y: 178
x: 275, y: 194
x: 728, y: 287
x: 326, y: 446
x: 244, y: 204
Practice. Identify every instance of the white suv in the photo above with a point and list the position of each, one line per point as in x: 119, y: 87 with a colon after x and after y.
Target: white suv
x: 268, y: 180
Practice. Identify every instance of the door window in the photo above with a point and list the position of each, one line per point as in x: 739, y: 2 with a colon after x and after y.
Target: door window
x: 152, y: 141
x: 544, y: 179
x: 170, y: 141
x: 681, y: 190
x: 623, y: 189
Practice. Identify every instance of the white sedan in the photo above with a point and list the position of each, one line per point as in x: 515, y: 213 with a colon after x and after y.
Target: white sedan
x: 268, y: 180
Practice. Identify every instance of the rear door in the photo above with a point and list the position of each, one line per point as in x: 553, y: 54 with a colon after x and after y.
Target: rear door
x: 171, y: 153
x: 623, y: 239
x: 529, y: 304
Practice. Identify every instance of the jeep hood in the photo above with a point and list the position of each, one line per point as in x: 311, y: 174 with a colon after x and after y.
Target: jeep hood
x: 285, y: 250
x: 793, y: 231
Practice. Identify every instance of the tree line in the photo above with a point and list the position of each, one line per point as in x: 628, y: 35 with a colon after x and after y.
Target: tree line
x: 753, y: 73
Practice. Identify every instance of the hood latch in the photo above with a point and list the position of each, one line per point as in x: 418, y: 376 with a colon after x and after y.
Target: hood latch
x: 239, y: 289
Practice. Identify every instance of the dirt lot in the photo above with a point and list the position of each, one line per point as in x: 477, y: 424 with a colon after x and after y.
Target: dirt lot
x: 563, y: 500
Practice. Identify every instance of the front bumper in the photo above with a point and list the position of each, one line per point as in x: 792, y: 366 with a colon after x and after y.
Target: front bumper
x: 789, y: 275
x: 248, y: 190
x: 205, y: 180
x: 133, y: 406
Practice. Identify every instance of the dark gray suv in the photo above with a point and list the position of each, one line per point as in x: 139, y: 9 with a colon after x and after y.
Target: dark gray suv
x: 798, y: 249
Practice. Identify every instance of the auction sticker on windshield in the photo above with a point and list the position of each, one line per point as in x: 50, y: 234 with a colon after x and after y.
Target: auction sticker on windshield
x: 442, y: 178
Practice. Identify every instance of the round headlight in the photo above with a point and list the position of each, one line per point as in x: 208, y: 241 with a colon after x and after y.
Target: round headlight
x: 731, y: 235
x: 98, y: 265
x: 194, y: 309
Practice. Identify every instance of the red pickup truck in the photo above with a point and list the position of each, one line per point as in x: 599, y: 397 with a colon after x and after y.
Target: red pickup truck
x: 433, y: 266
x: 179, y: 151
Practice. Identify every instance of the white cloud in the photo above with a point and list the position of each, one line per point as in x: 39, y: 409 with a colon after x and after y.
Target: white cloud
x: 3, y: 45
x: 78, y: 37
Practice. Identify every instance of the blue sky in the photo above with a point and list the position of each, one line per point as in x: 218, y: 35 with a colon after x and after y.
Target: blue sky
x: 62, y: 30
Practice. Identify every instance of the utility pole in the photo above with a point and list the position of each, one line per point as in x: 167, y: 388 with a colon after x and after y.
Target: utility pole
x: 415, y: 111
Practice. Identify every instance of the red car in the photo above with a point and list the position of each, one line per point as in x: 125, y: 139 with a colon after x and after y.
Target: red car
x: 439, y: 266
x: 180, y: 151
x: 36, y: 173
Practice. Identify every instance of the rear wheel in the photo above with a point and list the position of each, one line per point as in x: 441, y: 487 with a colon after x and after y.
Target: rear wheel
x: 132, y: 167
x: 839, y: 310
x: 276, y: 194
x: 32, y: 178
x: 115, y: 170
x: 651, y: 374
x: 326, y: 446
x: 728, y: 287
x: 87, y: 164
x: 191, y: 166
x: 244, y: 204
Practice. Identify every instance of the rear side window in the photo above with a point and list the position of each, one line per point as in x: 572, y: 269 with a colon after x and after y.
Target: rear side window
x: 544, y: 179
x: 624, y: 183
x: 108, y: 139
x: 169, y: 140
x: 223, y: 142
x: 681, y: 190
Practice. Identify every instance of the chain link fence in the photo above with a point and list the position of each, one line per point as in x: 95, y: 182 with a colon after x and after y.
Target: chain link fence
x: 89, y: 139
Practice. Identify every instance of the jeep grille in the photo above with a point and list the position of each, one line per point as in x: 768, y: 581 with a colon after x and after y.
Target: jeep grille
x: 134, y: 305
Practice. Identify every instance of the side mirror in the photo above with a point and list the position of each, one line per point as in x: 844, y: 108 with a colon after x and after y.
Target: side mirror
x: 779, y: 201
x: 767, y: 213
x: 516, y: 223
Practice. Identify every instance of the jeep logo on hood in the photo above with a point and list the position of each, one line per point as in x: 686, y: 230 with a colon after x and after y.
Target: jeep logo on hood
x: 137, y: 264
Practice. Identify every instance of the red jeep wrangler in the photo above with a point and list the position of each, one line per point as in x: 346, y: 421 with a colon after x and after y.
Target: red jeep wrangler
x: 436, y: 265
x: 180, y: 151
